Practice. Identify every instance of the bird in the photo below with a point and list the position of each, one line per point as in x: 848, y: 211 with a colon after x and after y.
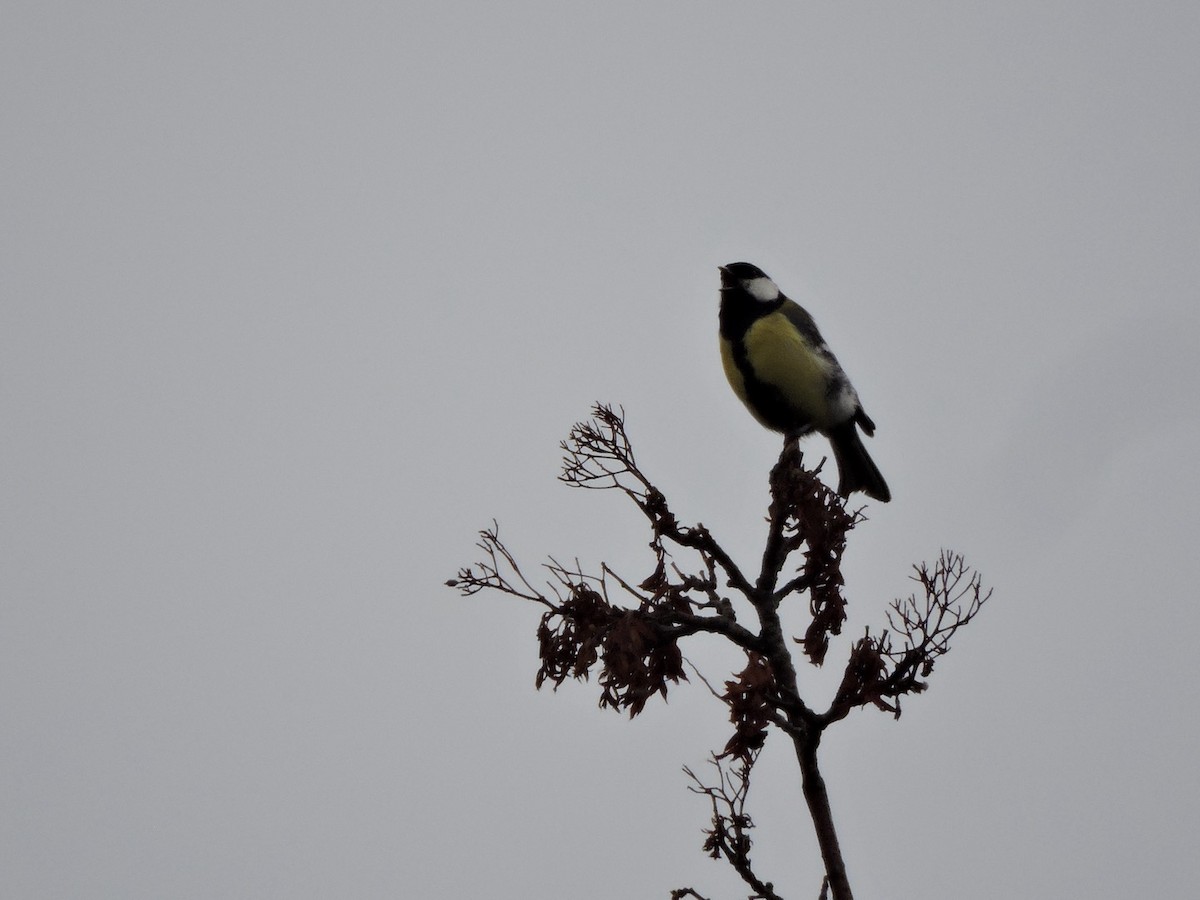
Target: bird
x: 783, y: 371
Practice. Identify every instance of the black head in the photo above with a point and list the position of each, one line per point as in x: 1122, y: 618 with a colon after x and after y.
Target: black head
x: 743, y: 271
x: 744, y: 276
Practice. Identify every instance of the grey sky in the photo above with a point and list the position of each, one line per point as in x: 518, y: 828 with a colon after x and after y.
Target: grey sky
x: 296, y: 297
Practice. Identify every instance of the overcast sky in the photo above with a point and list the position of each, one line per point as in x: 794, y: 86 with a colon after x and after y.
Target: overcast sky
x: 296, y: 297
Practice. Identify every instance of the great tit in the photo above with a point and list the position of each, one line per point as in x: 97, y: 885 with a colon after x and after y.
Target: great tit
x: 781, y: 368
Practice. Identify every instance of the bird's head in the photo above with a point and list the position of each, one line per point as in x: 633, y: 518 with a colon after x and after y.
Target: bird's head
x: 744, y: 276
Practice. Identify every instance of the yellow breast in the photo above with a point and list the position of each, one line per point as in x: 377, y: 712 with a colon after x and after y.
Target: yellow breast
x: 781, y: 357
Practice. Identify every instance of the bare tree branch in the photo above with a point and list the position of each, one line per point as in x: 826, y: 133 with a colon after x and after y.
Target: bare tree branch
x: 729, y: 836
x: 880, y: 673
x: 491, y: 573
x: 630, y: 636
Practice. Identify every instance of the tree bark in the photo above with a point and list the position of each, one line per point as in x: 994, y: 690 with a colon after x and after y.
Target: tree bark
x: 817, y: 797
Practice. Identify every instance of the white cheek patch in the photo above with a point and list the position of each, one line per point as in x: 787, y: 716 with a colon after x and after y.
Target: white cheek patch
x: 762, y: 289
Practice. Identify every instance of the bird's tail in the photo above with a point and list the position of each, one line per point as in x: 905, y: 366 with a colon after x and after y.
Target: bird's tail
x: 856, y: 469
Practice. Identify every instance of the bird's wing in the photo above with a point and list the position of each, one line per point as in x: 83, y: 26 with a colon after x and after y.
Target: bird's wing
x: 803, y: 322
